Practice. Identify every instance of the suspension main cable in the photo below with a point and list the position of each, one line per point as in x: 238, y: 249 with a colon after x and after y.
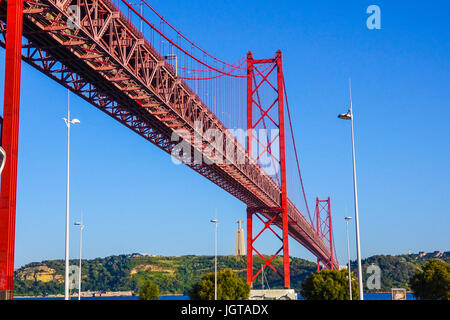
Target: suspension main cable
x: 174, y: 44
x: 295, y: 150
x: 185, y: 38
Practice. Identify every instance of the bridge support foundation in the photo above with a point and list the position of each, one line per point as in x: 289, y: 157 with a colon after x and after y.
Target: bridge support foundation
x: 10, y: 138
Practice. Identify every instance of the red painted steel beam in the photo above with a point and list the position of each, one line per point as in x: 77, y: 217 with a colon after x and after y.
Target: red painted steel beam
x: 10, y: 142
x: 284, y: 202
x: 250, y: 246
x: 330, y: 230
x: 249, y: 103
x: 263, y: 61
x: 317, y: 212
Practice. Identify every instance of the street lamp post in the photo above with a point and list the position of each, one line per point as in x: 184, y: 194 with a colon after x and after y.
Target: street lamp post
x: 347, y: 219
x: 215, y: 258
x: 68, y: 122
x: 349, y: 116
x: 81, y: 225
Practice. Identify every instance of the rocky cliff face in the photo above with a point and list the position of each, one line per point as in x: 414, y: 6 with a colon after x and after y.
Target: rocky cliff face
x: 149, y: 267
x: 40, y: 273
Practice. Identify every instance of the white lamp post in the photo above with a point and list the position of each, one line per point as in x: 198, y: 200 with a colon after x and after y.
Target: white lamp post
x: 215, y: 258
x: 349, y: 116
x: 81, y: 225
x: 347, y: 219
x: 68, y: 122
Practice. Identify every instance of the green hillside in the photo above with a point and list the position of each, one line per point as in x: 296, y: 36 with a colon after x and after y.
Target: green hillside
x: 396, y: 270
x: 173, y: 275
x: 176, y: 275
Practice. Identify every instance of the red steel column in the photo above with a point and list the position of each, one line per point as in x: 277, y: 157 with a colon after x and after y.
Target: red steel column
x: 10, y: 137
x: 249, y: 103
x: 287, y: 281
x: 249, y: 152
x: 250, y: 247
x: 331, y: 234
x: 318, y: 229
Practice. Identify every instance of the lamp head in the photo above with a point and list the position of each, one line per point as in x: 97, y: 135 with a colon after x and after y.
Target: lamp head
x: 74, y: 121
x: 346, y: 116
x: 348, y: 218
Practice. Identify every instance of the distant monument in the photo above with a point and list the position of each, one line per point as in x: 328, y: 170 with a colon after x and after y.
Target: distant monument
x: 240, y: 247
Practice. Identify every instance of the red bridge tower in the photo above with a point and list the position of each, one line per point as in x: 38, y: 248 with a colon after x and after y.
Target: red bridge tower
x: 324, y: 230
x: 259, y: 74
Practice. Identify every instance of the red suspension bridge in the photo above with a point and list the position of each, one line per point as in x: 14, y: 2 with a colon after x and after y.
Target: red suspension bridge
x: 128, y: 61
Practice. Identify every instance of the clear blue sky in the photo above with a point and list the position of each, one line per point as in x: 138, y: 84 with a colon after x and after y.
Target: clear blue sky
x: 135, y: 200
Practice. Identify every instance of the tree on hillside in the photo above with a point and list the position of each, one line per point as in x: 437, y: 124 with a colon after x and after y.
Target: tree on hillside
x: 432, y: 282
x: 329, y: 285
x: 149, y: 291
x: 229, y: 287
